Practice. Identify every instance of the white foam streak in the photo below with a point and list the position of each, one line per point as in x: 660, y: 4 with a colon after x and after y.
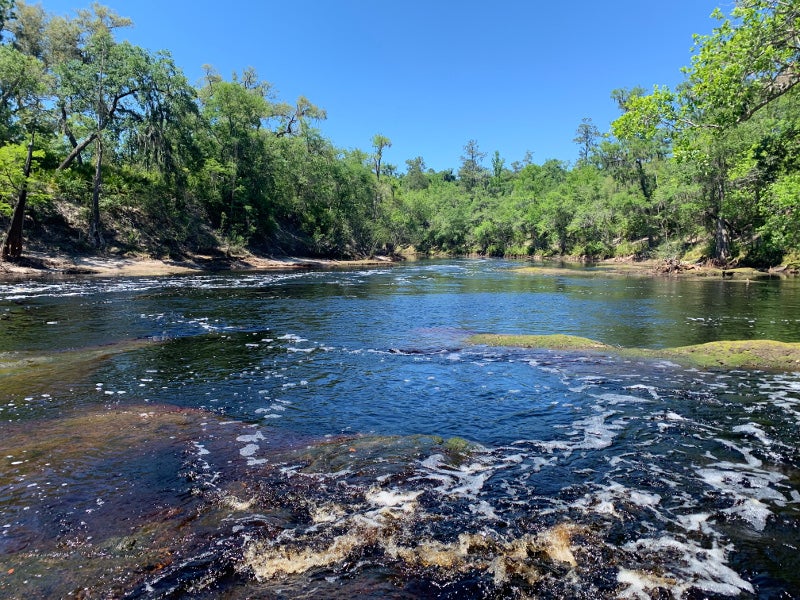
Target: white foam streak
x: 702, y: 568
x: 748, y: 487
x: 464, y: 480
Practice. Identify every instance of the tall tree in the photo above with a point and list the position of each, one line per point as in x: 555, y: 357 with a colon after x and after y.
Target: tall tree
x: 23, y: 87
x: 498, y: 164
x: 108, y: 86
x: 586, y: 137
x: 415, y: 178
x: 749, y: 61
x: 379, y: 144
x: 472, y: 172
x: 236, y: 115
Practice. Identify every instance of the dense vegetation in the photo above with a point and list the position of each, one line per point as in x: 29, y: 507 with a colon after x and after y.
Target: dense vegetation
x: 108, y: 139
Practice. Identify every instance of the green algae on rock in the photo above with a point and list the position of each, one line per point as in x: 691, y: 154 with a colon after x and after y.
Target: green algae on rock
x: 556, y: 341
x: 744, y: 354
x: 731, y: 354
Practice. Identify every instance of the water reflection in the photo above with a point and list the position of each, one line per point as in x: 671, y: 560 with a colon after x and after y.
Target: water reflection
x: 329, y: 434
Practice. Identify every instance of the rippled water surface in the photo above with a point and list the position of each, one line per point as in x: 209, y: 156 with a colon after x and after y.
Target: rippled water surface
x: 332, y: 435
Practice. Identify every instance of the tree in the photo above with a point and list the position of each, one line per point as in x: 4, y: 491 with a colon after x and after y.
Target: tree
x: 379, y: 144
x: 6, y: 12
x: 415, y: 178
x: 12, y: 245
x: 110, y: 86
x: 749, y: 61
x: 472, y: 173
x: 23, y: 85
x: 586, y: 137
x: 634, y: 160
x: 294, y: 119
x: 243, y: 180
x: 498, y: 164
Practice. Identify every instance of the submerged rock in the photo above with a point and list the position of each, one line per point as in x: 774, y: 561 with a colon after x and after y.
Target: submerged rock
x: 24, y: 373
x: 731, y: 354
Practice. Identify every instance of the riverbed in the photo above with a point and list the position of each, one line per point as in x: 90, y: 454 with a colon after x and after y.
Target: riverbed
x: 332, y: 434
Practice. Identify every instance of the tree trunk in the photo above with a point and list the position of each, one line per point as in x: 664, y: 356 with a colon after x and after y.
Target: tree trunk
x: 644, y: 185
x: 76, y: 151
x: 68, y: 132
x: 12, y: 247
x: 722, y: 239
x: 95, y: 232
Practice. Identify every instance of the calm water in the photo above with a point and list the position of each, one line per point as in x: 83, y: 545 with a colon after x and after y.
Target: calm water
x: 290, y: 435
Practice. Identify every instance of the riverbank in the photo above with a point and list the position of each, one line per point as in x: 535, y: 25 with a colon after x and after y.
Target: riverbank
x: 661, y: 268
x: 44, y: 264
x: 38, y: 264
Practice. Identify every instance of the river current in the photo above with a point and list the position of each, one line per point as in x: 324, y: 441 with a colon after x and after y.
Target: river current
x: 332, y: 434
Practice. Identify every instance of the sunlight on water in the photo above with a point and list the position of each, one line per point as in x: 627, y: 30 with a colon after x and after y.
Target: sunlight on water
x: 329, y: 434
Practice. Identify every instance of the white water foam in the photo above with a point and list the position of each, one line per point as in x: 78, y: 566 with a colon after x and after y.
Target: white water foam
x: 748, y: 487
x: 701, y: 568
x: 251, y: 448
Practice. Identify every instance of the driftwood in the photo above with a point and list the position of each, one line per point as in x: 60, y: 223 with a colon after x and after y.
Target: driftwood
x: 673, y: 266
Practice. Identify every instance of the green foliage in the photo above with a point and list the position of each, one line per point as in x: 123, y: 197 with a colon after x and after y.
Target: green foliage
x: 6, y: 12
x: 415, y: 177
x: 782, y: 210
x: 712, y: 165
x: 12, y: 160
x: 472, y: 173
x: 748, y: 61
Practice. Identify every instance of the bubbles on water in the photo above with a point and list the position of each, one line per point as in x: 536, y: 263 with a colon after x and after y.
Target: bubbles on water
x: 596, y: 479
x: 690, y: 567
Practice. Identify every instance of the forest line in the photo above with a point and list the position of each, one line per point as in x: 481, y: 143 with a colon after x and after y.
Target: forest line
x: 105, y: 145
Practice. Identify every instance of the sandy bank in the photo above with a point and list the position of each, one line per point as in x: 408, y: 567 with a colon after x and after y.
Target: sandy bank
x: 658, y: 268
x: 40, y: 264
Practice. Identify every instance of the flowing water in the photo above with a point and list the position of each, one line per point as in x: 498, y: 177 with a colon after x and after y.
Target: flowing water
x: 332, y: 434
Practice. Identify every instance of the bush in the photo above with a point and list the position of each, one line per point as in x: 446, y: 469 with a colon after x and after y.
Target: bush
x: 637, y: 248
x: 593, y: 249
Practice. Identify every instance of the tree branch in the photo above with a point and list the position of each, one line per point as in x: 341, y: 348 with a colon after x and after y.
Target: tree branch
x: 77, y: 150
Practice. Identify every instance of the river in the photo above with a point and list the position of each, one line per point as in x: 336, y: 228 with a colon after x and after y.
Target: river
x: 332, y: 434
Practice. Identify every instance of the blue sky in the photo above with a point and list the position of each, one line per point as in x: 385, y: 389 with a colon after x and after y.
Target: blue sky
x: 515, y: 75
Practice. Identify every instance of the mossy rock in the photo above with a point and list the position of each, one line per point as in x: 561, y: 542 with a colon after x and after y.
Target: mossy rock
x: 730, y: 354
x: 592, y: 269
x: 457, y: 445
x: 741, y: 354
x: 550, y: 342
x: 458, y: 450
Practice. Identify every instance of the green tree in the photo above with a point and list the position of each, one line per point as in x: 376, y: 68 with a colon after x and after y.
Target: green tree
x: 498, y: 165
x: 234, y: 172
x: 6, y: 12
x: 634, y: 160
x: 586, y: 137
x: 107, y: 88
x: 23, y: 89
x: 472, y: 173
x: 415, y: 177
x: 747, y: 63
x: 379, y: 144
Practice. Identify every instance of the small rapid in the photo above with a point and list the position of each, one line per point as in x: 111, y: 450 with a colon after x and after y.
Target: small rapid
x: 332, y: 434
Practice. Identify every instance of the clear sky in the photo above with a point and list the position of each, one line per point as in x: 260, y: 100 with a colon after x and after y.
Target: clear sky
x: 515, y: 75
